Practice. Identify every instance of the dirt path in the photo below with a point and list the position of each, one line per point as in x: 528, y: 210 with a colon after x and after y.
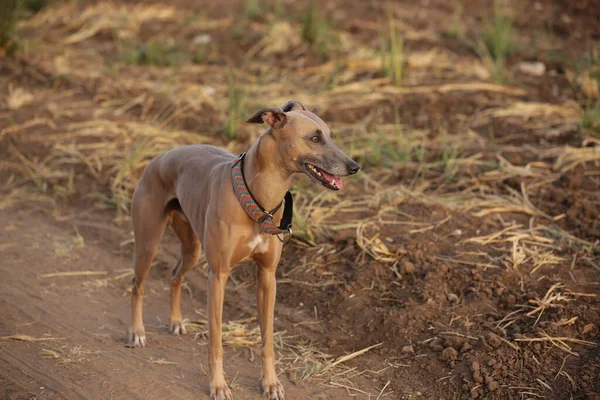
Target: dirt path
x: 90, y: 315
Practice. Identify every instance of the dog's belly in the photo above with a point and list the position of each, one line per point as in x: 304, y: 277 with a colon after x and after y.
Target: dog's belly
x: 173, y: 205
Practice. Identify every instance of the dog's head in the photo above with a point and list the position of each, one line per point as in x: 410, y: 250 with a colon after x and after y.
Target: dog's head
x: 304, y: 144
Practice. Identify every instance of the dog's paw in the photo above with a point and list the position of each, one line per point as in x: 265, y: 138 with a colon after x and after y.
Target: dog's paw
x: 137, y: 338
x: 273, y: 389
x: 177, y: 328
x: 220, y: 391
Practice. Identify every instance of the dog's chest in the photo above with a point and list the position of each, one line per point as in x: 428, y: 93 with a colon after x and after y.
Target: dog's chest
x: 258, y: 244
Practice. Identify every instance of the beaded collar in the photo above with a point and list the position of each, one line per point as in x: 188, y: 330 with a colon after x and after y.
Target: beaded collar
x: 253, y: 207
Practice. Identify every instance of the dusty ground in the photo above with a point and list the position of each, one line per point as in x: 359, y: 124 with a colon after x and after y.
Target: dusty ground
x: 466, y: 250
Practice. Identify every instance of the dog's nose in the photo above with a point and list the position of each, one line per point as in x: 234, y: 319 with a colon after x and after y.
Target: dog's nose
x: 353, y: 167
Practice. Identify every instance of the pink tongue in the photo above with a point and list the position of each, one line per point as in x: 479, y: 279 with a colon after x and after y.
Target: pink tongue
x: 332, y: 179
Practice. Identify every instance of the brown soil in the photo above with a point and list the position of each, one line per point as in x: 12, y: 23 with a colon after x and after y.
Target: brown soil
x: 91, y: 317
x: 467, y: 250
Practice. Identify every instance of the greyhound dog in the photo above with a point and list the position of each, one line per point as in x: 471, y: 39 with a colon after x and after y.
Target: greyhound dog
x: 209, y: 196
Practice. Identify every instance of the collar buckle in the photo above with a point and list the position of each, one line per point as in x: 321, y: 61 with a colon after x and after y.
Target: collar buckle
x: 286, y: 235
x: 266, y: 215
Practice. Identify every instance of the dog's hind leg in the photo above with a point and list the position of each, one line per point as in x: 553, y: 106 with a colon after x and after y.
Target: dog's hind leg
x: 149, y: 223
x: 190, y: 253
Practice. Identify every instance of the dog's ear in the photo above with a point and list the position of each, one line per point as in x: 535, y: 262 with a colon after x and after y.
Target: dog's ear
x: 293, y: 105
x: 274, y: 116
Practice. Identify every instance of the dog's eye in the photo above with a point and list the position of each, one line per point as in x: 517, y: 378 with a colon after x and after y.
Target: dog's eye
x: 315, y: 139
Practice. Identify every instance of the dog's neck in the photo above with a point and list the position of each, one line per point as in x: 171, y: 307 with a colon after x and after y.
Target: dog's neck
x: 266, y: 178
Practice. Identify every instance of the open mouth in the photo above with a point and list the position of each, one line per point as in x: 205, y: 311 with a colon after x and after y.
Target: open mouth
x: 328, y: 180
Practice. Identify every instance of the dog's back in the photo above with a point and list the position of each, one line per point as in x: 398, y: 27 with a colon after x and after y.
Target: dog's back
x: 172, y: 172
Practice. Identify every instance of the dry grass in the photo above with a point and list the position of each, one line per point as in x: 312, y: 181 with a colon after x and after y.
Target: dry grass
x: 160, y: 361
x: 68, y: 355
x: 17, y: 97
x: 301, y: 359
x: 556, y: 297
x: 27, y: 338
x: 72, y: 273
x: 559, y: 342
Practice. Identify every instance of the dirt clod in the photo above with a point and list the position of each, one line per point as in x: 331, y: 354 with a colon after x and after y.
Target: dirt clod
x: 477, y: 377
x: 453, y: 298
x: 589, y: 328
x: 511, y: 300
x: 493, y: 340
x: 408, y: 349
x: 465, y: 347
x: 407, y: 267
x: 449, y: 354
x: 455, y: 342
x: 492, y: 385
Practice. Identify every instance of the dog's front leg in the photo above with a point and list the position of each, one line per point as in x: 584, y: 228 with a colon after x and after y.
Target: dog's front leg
x: 216, y: 293
x: 265, y: 299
